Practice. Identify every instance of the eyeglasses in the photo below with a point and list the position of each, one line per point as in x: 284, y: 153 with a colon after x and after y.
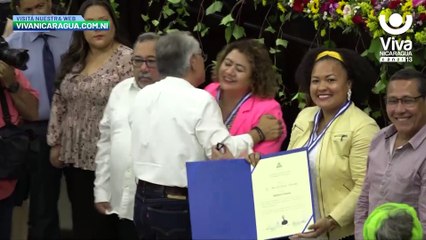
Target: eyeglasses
x: 203, y: 55
x: 406, y: 101
x: 138, y: 61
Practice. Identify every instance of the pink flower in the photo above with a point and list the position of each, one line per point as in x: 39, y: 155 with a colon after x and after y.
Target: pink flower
x: 422, y: 17
x: 358, y: 20
x: 419, y: 2
x: 329, y: 6
x: 394, y: 4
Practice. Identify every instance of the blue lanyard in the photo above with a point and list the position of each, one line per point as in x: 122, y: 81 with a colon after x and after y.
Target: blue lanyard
x: 314, y: 139
x: 236, y: 108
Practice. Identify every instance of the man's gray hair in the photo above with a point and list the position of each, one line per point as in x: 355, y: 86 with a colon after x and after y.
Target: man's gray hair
x: 148, y: 36
x: 174, y: 51
x: 396, y: 227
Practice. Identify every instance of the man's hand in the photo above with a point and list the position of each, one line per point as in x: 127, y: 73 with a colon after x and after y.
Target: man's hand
x: 54, y: 157
x: 271, y: 127
x: 7, y: 74
x: 320, y: 227
x: 221, y: 153
x: 103, y: 207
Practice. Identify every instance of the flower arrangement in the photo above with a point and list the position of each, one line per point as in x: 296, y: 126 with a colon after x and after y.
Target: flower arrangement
x: 352, y: 15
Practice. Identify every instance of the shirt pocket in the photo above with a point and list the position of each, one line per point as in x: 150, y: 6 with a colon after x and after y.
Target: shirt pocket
x: 405, y: 183
x: 341, y: 143
x: 119, y: 119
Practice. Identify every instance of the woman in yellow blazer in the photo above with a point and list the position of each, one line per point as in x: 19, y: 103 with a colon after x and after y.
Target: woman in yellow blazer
x: 337, y: 134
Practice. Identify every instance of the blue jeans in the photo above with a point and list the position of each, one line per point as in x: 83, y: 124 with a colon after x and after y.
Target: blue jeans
x: 159, y: 217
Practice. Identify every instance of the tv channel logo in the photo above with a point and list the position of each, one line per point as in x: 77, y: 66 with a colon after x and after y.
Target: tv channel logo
x: 394, y: 50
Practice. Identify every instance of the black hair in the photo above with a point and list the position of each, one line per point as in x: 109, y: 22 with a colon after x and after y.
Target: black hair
x: 360, y: 72
x: 411, y: 74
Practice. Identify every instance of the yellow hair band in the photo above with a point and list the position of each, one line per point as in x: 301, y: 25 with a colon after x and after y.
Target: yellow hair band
x: 332, y: 54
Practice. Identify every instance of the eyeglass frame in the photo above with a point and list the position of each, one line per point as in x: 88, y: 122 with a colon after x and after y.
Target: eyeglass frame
x: 203, y: 55
x: 403, y: 101
x: 148, y: 61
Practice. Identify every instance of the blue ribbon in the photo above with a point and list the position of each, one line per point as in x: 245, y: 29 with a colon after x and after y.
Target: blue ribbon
x: 236, y: 108
x: 314, y: 139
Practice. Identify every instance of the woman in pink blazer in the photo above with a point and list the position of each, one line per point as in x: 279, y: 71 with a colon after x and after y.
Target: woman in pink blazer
x: 245, y: 90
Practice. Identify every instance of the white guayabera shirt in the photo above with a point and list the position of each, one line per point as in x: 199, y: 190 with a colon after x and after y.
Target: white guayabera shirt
x: 115, y: 181
x: 172, y: 123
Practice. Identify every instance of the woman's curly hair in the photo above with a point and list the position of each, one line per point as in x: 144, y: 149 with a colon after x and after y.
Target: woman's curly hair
x: 264, y: 78
x: 360, y: 72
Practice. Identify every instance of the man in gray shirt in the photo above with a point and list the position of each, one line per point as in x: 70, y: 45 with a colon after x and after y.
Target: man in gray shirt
x: 397, y: 160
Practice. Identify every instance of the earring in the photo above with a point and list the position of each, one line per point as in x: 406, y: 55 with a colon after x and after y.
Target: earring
x: 349, y: 93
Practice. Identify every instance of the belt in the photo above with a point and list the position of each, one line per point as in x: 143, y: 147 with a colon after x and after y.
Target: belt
x: 169, y: 192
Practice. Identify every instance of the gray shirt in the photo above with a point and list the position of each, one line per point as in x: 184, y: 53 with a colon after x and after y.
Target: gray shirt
x: 398, y: 176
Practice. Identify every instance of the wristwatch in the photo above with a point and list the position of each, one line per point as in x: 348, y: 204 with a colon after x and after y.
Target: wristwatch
x: 13, y: 88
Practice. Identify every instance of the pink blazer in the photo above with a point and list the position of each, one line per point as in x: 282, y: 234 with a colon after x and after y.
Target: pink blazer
x: 248, y: 116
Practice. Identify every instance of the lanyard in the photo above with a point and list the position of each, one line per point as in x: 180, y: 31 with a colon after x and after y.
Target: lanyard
x: 236, y: 108
x: 314, y: 139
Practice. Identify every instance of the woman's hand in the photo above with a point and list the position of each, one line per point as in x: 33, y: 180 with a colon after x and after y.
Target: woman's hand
x: 322, y: 226
x: 253, y: 158
x: 271, y: 127
x: 54, y: 157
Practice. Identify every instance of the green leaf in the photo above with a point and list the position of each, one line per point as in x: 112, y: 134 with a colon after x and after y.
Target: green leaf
x: 376, y: 114
x: 227, y: 20
x: 228, y: 33
x: 375, y: 48
x: 367, y: 110
x: 347, y: 30
x: 295, y: 97
x: 167, y: 11
x: 145, y: 18
x: 418, y: 59
x: 379, y: 87
x: 282, y: 18
x: 155, y: 22
x: 205, y: 31
x: 287, y: 17
x: 261, y: 40
x: 238, y: 32
x: 270, y: 29
x: 273, y: 50
x: 329, y: 44
x: 174, y: 1
x: 281, y: 42
x: 181, y: 22
x: 199, y: 27
x: 214, y: 7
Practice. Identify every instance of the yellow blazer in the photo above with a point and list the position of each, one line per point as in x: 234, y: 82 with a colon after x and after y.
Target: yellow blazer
x: 340, y: 163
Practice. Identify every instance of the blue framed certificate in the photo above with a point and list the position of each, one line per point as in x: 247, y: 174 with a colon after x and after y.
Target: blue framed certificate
x: 228, y: 199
